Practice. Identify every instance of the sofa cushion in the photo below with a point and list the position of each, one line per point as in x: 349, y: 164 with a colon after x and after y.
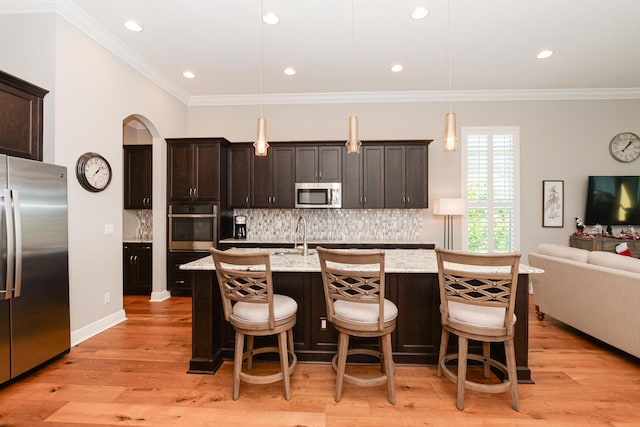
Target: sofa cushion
x: 613, y: 260
x: 562, y: 251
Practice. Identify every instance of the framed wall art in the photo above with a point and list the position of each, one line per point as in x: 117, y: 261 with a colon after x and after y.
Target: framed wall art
x: 553, y: 203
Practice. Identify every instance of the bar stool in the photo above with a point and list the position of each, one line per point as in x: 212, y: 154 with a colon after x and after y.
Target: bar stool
x: 354, y: 286
x: 253, y: 309
x: 478, y: 294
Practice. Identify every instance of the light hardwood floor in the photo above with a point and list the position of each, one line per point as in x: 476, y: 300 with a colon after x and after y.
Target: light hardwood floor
x: 134, y: 374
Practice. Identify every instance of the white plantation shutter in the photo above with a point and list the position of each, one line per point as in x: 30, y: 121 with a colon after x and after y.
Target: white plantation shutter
x: 491, y: 189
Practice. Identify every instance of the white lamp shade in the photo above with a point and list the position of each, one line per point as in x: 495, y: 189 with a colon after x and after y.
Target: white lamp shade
x: 448, y: 207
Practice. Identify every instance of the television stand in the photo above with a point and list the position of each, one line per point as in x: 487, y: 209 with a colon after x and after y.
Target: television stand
x: 604, y: 243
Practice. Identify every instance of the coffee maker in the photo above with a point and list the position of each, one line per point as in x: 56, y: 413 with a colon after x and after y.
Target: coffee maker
x: 240, y: 227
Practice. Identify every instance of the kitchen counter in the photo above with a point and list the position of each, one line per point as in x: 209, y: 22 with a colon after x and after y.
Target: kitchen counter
x: 288, y: 243
x: 291, y: 260
x: 411, y: 283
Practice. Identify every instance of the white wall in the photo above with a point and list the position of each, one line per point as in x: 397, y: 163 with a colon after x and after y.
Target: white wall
x: 560, y: 140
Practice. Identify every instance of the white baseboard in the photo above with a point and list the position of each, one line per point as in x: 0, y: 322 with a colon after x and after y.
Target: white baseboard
x: 95, y: 328
x: 160, y: 296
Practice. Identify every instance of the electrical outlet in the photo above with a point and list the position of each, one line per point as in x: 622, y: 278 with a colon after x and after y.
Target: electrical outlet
x: 323, y: 323
x: 108, y: 229
x: 107, y: 297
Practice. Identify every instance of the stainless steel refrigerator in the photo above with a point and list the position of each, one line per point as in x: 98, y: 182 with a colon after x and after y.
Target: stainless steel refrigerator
x: 34, y: 272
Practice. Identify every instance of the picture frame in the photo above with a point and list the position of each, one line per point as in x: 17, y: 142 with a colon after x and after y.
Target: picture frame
x: 553, y: 203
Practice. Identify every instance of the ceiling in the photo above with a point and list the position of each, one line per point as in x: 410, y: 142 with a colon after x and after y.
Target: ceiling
x: 493, y: 46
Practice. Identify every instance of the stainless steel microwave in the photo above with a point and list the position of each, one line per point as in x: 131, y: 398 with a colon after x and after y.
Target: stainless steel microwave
x: 318, y: 195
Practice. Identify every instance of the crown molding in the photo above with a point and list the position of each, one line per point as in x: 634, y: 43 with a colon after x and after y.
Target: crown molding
x: 417, y: 96
x: 77, y: 17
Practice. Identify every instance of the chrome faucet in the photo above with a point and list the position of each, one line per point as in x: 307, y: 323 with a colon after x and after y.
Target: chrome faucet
x: 305, y: 247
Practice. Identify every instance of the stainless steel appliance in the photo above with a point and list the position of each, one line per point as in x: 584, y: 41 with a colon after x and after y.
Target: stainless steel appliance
x: 240, y: 227
x: 192, y: 227
x: 318, y: 195
x: 34, y: 272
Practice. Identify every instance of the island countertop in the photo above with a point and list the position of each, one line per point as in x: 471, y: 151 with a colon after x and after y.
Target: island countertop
x: 291, y: 260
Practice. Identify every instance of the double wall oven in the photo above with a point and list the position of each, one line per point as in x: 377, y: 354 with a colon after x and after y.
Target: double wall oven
x: 192, y: 228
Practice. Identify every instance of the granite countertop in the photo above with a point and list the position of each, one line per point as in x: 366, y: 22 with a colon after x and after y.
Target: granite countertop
x: 291, y: 260
x: 136, y: 240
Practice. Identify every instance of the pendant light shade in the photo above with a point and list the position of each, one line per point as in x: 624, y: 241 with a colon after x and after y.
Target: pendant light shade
x: 261, y: 145
x: 353, y: 138
x: 450, y: 140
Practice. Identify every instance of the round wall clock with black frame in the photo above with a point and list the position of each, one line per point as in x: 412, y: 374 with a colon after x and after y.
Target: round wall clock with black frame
x: 93, y: 172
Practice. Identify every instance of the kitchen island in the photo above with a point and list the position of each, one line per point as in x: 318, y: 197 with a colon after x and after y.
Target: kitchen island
x: 411, y: 282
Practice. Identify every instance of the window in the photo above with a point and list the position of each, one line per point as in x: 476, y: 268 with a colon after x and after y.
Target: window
x: 491, y: 185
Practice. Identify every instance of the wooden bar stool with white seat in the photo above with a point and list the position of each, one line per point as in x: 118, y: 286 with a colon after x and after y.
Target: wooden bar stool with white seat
x: 478, y: 294
x: 354, y: 285
x: 250, y: 305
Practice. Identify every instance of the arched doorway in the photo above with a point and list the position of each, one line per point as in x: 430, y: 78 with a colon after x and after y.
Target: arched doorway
x: 148, y: 224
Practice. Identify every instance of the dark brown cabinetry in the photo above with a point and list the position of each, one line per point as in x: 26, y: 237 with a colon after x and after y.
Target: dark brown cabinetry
x: 21, y: 117
x: 319, y: 163
x: 194, y: 169
x: 180, y: 282
x: 363, y: 178
x: 273, y: 179
x: 137, y: 176
x: 239, y: 164
x: 137, y: 271
x: 405, y: 176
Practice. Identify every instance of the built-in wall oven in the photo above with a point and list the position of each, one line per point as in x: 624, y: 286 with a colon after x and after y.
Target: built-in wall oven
x: 192, y: 227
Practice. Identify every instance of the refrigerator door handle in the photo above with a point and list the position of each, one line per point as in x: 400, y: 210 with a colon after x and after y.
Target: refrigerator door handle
x: 17, y: 221
x: 8, y: 215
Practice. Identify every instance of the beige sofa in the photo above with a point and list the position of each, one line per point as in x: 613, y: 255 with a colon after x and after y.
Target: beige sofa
x: 596, y: 292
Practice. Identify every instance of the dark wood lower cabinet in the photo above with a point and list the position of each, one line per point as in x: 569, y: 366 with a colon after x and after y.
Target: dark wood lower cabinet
x: 416, y: 340
x: 136, y: 267
x: 181, y: 282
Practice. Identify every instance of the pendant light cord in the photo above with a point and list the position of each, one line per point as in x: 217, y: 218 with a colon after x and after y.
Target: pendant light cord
x: 449, y: 50
x: 261, y: 58
x: 353, y: 59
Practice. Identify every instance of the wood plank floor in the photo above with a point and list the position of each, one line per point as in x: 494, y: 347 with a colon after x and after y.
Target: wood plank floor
x: 134, y: 374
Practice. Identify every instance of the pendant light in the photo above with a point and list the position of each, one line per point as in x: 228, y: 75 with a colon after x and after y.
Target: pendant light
x: 450, y: 139
x: 261, y: 145
x: 353, y: 136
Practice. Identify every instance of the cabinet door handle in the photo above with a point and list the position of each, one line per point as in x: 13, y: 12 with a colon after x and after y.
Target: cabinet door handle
x: 408, y: 200
x: 130, y: 259
x: 246, y: 199
x: 195, y: 193
x: 179, y: 282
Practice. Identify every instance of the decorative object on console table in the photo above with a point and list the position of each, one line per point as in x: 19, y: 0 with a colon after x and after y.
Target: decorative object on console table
x: 606, y: 243
x: 553, y: 203
x: 448, y: 208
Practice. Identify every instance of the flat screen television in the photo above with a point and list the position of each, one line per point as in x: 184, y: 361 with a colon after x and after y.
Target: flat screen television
x: 613, y: 200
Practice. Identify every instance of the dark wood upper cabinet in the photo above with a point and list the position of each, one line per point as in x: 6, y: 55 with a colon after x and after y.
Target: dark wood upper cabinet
x: 319, y: 163
x: 21, y: 117
x: 363, y: 178
x: 194, y: 169
x: 405, y: 176
x: 273, y: 178
x: 137, y: 176
x: 239, y: 164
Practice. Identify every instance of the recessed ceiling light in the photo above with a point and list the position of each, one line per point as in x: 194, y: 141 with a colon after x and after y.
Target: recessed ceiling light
x: 419, y: 13
x: 397, y: 68
x: 271, y: 18
x: 189, y: 74
x: 289, y: 71
x: 544, y: 54
x: 133, y: 26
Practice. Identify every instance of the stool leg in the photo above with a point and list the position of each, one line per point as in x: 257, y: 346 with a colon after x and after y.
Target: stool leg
x: 284, y: 364
x: 237, y: 364
x: 510, y: 354
x: 343, y: 347
x: 250, y: 351
x: 486, y: 355
x: 444, y: 342
x: 462, y: 369
x: 388, y: 366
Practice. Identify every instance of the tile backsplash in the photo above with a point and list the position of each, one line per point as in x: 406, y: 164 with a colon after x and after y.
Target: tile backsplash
x: 144, y: 230
x: 335, y: 224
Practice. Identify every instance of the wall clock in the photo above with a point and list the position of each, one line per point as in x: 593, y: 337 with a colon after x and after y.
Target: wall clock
x: 625, y: 147
x: 93, y: 172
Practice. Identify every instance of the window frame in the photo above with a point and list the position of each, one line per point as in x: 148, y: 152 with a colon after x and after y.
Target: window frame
x: 490, y: 131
